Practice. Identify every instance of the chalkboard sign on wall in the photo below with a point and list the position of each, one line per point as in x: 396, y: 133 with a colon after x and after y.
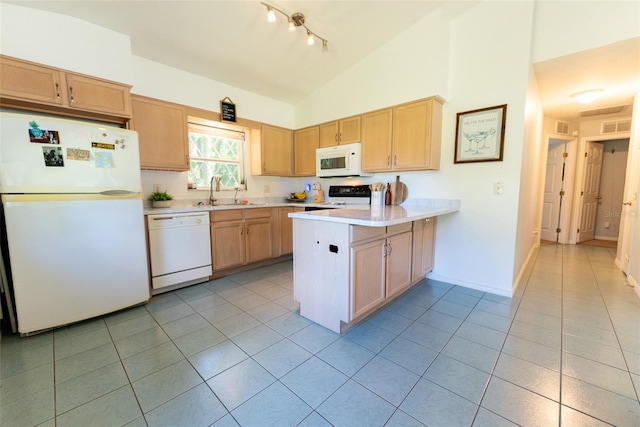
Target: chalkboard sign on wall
x: 227, y: 110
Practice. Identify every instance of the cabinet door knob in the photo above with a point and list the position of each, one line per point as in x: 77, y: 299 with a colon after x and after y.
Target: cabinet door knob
x: 71, y: 94
x: 57, y: 90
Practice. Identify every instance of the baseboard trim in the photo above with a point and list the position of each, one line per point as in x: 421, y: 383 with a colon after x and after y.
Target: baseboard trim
x: 470, y: 285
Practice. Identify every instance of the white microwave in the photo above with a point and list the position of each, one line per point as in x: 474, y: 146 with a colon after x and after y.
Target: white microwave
x: 339, y: 161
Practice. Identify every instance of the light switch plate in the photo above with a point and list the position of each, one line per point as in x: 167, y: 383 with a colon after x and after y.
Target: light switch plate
x: 498, y: 188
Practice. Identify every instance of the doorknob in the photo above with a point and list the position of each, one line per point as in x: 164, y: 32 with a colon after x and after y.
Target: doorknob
x: 626, y: 203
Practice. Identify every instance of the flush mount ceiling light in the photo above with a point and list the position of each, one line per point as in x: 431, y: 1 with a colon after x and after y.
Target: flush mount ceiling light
x: 294, y: 21
x: 586, y: 96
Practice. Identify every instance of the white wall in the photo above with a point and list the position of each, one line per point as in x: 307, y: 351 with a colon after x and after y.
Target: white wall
x: 472, y: 66
x: 171, y: 84
x: 565, y: 27
x: 533, y: 169
x: 479, y: 58
x: 150, y: 79
x: 411, y: 66
x: 64, y: 42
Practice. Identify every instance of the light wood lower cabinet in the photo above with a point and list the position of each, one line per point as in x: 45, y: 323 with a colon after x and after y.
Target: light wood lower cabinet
x: 258, y: 239
x: 398, y: 259
x: 381, y: 269
x: 423, y: 248
x: 368, y: 276
x: 343, y: 272
x: 241, y: 236
x: 286, y: 229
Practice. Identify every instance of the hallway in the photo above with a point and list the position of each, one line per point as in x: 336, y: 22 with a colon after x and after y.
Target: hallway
x: 234, y: 351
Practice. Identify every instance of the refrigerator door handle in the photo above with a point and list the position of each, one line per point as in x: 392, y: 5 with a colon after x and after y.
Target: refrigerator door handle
x: 117, y: 192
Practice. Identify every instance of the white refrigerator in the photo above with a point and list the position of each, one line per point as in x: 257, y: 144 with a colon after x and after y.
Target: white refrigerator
x: 73, y: 216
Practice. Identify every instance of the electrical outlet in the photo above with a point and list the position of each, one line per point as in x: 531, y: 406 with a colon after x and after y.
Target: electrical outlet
x: 267, y: 189
x: 156, y: 188
x: 498, y: 188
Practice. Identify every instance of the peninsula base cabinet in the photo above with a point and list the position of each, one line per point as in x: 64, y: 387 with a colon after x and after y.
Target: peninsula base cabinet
x: 380, y: 269
x: 344, y: 272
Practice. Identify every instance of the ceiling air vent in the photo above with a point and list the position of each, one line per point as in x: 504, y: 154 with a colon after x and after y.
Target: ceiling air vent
x: 562, y: 127
x: 600, y: 111
x: 615, y: 126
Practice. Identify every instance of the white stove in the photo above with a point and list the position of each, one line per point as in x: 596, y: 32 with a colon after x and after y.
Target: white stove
x: 343, y: 196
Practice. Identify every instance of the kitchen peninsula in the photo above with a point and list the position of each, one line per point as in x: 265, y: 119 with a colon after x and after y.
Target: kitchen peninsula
x: 349, y: 262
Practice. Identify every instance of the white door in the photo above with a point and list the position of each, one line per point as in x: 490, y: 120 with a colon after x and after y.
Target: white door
x: 553, y: 186
x: 590, y: 192
x: 629, y: 236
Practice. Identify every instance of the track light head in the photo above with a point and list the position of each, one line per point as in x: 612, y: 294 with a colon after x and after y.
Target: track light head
x: 295, y: 20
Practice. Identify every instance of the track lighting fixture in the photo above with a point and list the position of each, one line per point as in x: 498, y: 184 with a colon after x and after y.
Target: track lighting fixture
x: 271, y: 15
x: 294, y: 21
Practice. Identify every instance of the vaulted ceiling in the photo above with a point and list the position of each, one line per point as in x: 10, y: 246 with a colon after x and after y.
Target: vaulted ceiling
x: 231, y: 42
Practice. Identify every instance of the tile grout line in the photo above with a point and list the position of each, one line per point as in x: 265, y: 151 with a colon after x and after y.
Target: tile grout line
x: 615, y: 331
x: 491, y: 374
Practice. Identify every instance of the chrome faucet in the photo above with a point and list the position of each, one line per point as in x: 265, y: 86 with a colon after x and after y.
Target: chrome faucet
x: 213, y: 200
x: 235, y: 196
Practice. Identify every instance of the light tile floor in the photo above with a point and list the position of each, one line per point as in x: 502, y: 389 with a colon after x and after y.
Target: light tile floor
x: 564, y: 351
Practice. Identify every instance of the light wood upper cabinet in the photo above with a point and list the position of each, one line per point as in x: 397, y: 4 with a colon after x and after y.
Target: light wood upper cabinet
x: 344, y: 131
x: 377, y: 140
x: 305, y: 143
x: 349, y: 130
x: 27, y: 81
x: 402, y: 138
x: 90, y: 94
x: 328, y: 134
x: 416, y: 135
x: 163, y: 134
x: 272, y: 153
x: 34, y: 86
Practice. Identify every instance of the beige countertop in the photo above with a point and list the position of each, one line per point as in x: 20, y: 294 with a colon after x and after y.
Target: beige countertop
x: 380, y: 216
x: 183, y: 206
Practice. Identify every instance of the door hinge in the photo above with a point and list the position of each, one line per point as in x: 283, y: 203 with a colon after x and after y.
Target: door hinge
x: 562, y: 192
x: 565, y: 155
x: 558, y: 230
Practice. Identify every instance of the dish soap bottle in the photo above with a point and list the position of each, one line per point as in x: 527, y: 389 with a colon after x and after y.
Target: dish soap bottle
x: 387, y: 195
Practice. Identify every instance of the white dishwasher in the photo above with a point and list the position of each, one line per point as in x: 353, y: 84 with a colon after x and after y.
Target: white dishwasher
x: 179, y: 249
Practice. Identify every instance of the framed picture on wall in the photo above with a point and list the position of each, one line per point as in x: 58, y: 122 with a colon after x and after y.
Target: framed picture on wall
x: 480, y: 135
